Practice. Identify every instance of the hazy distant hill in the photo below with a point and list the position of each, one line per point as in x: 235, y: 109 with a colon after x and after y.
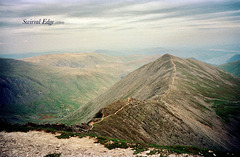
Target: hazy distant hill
x: 231, y: 67
x: 94, y: 62
x: 170, y: 101
x: 41, y: 88
x: 234, y: 58
x: 217, y: 60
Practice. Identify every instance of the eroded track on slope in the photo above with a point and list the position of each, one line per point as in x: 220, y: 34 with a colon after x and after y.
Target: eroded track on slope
x: 103, y: 118
x: 129, y: 99
x: 171, y: 84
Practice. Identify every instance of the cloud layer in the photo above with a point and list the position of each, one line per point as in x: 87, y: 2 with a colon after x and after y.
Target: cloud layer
x: 90, y: 25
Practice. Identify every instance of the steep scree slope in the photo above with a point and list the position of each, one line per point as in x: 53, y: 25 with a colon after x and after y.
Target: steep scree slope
x: 171, y: 101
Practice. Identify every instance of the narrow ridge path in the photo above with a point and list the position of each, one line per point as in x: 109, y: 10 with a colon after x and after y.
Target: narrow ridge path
x: 92, y: 123
x: 129, y: 99
x: 171, y: 84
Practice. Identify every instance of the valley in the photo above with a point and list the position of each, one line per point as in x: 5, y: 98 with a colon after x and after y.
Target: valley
x: 46, y: 88
x: 112, y: 78
x: 167, y: 102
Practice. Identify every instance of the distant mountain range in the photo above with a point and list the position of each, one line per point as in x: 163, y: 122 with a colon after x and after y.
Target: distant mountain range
x: 168, y: 101
x: 47, y: 87
x: 171, y: 101
x: 231, y: 67
x: 234, y: 58
x: 212, y: 55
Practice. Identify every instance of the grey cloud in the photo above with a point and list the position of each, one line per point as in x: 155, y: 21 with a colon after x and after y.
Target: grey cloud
x: 124, y: 28
x: 8, y: 24
x: 103, y: 9
x: 78, y: 9
x: 228, y: 11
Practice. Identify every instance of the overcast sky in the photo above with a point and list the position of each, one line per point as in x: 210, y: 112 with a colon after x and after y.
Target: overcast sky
x: 117, y: 24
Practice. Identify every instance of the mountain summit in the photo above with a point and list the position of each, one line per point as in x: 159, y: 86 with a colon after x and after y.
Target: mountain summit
x: 170, y: 101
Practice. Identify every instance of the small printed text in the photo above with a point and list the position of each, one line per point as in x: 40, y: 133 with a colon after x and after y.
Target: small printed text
x: 42, y: 22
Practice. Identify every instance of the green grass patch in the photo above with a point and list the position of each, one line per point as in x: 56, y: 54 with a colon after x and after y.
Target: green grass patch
x: 226, y: 110
x: 232, y: 67
x: 53, y: 155
x: 66, y: 135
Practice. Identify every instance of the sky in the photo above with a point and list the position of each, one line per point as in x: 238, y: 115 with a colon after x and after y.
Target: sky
x: 118, y: 25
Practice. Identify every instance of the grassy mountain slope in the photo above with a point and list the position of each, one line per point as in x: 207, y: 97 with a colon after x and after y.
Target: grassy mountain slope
x: 142, y: 83
x: 174, y: 102
x: 30, y: 91
x: 232, y: 67
x: 46, y: 87
x: 234, y: 58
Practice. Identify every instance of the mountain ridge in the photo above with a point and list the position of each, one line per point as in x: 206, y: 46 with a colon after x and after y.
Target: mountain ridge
x: 183, y: 98
x: 153, y: 90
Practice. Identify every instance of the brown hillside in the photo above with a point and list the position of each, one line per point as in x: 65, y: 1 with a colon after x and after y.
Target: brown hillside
x: 174, y: 102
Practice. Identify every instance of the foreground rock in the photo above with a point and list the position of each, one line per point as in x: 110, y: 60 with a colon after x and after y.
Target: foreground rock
x: 36, y: 143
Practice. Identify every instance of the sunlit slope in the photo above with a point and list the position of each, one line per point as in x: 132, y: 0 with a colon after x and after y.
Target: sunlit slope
x: 170, y: 101
x: 34, y: 91
x: 47, y: 87
x: 143, y: 83
x: 93, y: 61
